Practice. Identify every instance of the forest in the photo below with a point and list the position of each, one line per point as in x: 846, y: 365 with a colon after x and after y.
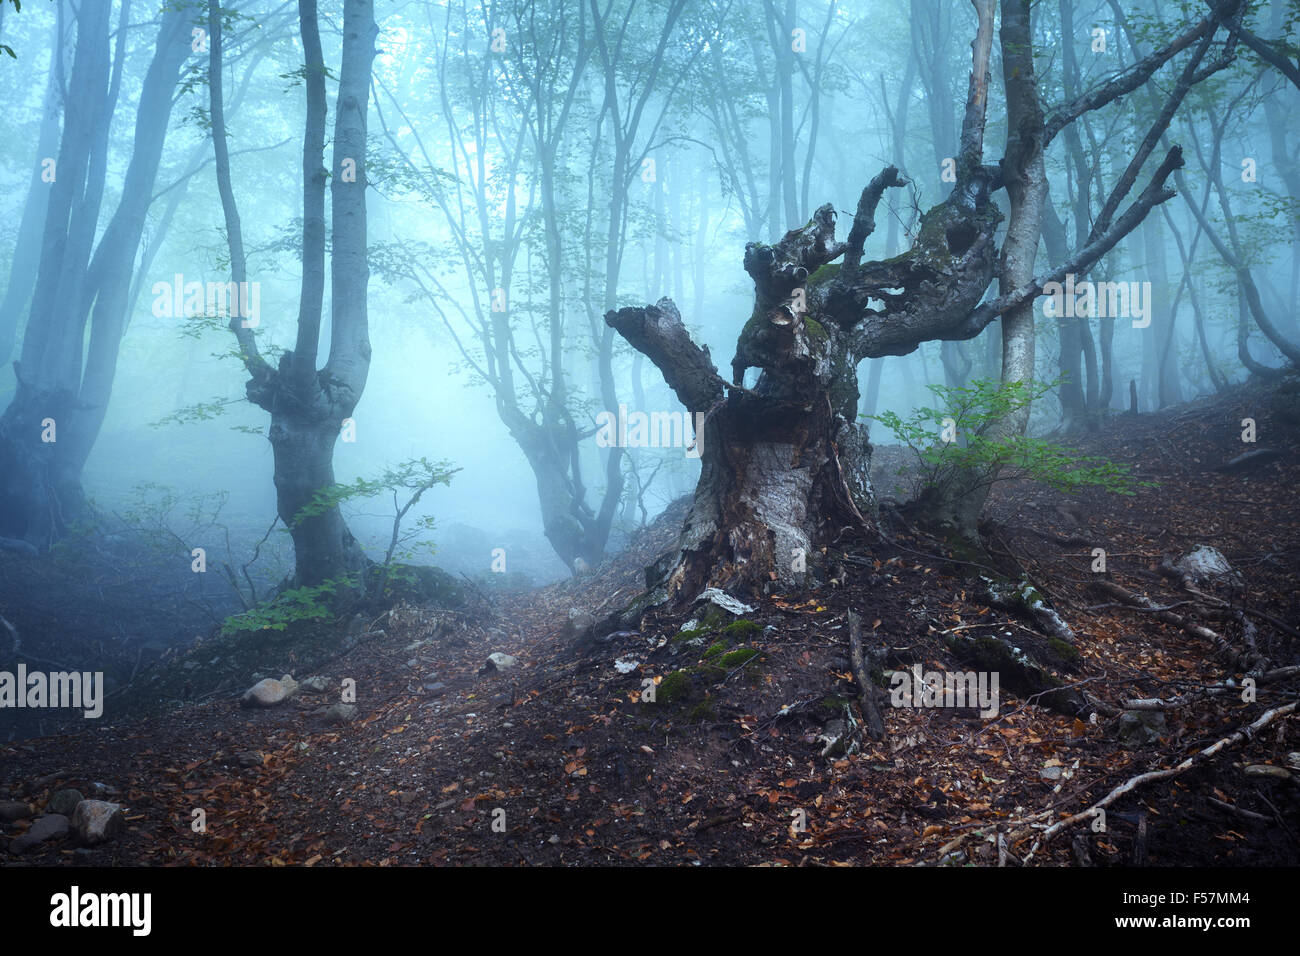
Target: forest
x: 575, y: 433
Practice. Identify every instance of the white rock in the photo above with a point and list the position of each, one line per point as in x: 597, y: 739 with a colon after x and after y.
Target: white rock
x: 626, y: 665
x: 96, y: 821
x: 1206, y: 564
x: 269, y: 692
x: 502, y: 661
x: 725, y: 601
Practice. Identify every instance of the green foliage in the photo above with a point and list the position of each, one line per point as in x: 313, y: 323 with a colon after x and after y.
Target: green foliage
x: 742, y: 630
x: 288, y: 607
x: 955, y: 441
x: 416, y: 475
x: 738, y: 657
x: 674, y: 687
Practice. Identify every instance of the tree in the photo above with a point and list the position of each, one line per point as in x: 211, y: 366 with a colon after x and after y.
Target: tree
x: 779, y: 458
x: 308, y: 406
x: 63, y: 381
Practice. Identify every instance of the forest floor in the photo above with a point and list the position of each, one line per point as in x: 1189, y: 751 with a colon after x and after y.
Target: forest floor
x: 559, y: 761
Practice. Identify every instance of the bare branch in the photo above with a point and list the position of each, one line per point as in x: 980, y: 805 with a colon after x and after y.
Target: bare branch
x: 864, y: 220
x: 1078, y: 264
x: 658, y: 333
x: 1132, y: 78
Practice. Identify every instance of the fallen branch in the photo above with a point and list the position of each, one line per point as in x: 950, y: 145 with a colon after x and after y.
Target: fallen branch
x: 1133, y: 783
x: 1214, y: 690
x: 866, y: 687
x: 1169, y: 617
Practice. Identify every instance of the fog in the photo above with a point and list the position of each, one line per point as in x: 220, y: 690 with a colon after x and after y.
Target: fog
x: 702, y: 149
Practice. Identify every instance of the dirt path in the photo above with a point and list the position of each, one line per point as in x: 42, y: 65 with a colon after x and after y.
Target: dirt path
x: 559, y: 760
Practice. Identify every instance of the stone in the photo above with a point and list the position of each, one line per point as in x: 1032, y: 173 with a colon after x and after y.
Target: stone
x: 1206, y: 565
x: 1268, y: 770
x: 580, y: 622
x: 1141, y: 727
x: 11, y: 810
x: 270, y: 692
x: 435, y: 688
x: 315, y: 685
x: 97, y: 821
x: 341, y: 713
x: 249, y: 758
x: 725, y: 601
x: 501, y: 662
x: 63, y: 802
x: 833, y: 737
x: 49, y: 827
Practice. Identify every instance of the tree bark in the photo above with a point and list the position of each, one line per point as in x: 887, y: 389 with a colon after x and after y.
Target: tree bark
x: 309, y: 406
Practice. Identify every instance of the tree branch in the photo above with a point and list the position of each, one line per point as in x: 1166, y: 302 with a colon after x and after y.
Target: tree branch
x: 864, y: 220
x: 657, y: 332
x: 1155, y: 193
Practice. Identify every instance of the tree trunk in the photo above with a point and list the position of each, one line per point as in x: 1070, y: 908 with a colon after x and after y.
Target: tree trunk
x: 309, y: 406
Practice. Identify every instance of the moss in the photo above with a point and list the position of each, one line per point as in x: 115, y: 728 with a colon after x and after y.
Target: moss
x: 832, y: 706
x: 709, y: 673
x: 1065, y: 650
x: 742, y: 630
x: 738, y: 657
x: 703, y: 710
x: 816, y: 331
x: 711, y: 616
x: 673, y: 688
x: 825, y: 274
x: 691, y: 634
x: 719, y: 648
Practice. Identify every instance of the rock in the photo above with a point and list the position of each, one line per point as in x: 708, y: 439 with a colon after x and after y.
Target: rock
x: 49, y: 827
x: 11, y: 810
x: 1141, y: 727
x: 316, y: 685
x: 99, y: 791
x: 1268, y: 770
x: 580, y: 623
x: 833, y: 736
x: 725, y: 601
x: 626, y: 665
x: 435, y: 688
x: 249, y: 758
x: 1050, y: 773
x: 270, y: 692
x: 1206, y: 565
x: 340, y: 713
x: 97, y: 821
x: 1293, y: 760
x: 63, y: 802
x: 501, y: 662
